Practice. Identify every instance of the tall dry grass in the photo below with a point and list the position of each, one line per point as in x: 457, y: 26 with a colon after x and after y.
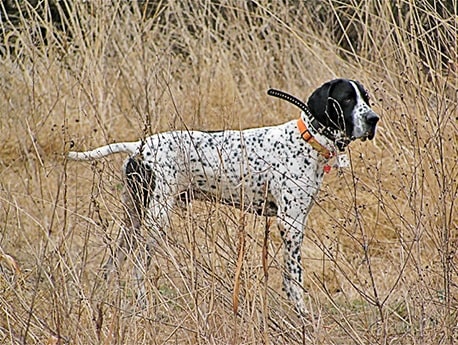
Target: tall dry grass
x: 380, y: 251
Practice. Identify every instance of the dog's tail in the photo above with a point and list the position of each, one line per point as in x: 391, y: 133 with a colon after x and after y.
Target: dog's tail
x: 106, y: 150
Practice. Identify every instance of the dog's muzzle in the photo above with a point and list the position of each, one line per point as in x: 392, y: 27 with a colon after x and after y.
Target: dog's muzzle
x: 371, y: 119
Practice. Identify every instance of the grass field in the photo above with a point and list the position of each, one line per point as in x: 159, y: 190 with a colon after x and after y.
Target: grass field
x: 380, y: 254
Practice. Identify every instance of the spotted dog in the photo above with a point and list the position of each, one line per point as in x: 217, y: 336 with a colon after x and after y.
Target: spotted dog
x: 271, y: 171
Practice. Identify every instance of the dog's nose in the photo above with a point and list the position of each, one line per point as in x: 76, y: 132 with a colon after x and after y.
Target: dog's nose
x: 372, y: 118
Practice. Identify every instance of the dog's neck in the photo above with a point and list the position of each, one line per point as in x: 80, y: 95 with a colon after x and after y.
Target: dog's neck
x: 307, y: 127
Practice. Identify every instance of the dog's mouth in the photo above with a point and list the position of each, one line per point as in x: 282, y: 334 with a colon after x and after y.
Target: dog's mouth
x: 370, y: 134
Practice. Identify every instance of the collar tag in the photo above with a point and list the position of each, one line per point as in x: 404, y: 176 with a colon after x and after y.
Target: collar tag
x: 342, y: 161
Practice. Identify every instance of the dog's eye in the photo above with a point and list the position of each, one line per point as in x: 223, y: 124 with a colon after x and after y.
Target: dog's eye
x: 346, y: 100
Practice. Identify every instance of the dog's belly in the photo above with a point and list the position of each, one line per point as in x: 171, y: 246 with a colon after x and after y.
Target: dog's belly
x: 261, y: 204
x: 224, y: 185
x: 262, y: 207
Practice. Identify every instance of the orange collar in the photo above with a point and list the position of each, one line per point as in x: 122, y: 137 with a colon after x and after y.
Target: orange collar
x: 309, y: 138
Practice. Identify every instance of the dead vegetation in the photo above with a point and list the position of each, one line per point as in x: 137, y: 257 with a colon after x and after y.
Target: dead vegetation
x: 380, y: 251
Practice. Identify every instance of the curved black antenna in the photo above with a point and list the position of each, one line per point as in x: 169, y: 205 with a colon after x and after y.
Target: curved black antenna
x: 287, y: 97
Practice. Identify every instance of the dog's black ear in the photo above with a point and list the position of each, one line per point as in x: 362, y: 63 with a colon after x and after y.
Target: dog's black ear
x: 317, y: 102
x: 323, y: 107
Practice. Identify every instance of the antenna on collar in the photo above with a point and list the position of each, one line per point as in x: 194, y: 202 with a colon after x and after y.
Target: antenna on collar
x: 287, y: 97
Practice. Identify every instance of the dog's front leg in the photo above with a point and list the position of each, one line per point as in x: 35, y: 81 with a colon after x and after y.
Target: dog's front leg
x: 292, y: 233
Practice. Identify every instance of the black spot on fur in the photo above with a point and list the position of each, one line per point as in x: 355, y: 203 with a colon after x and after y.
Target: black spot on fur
x: 139, y: 182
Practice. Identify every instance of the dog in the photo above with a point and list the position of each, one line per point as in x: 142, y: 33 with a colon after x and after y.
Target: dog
x: 270, y: 171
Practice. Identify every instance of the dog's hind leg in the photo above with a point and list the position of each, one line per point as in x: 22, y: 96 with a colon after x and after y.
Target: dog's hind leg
x: 138, y: 182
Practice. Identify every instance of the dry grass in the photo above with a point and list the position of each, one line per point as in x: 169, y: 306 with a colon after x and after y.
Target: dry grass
x: 380, y: 252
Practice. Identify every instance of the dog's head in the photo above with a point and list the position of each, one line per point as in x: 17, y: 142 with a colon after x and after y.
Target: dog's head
x: 342, y: 106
